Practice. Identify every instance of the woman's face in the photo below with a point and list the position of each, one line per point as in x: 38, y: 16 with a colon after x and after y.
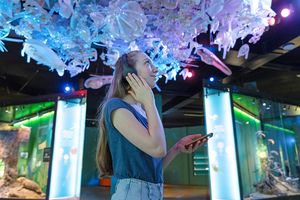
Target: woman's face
x: 146, y: 69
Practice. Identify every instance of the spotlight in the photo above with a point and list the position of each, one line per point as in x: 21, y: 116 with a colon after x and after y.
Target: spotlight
x: 189, y: 74
x: 264, y: 104
x: 285, y: 12
x: 272, y: 21
x: 211, y: 79
x: 67, y: 88
x: 288, y: 46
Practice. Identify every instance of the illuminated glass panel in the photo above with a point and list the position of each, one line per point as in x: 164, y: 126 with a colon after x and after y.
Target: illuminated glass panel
x: 68, y: 149
x: 224, y: 182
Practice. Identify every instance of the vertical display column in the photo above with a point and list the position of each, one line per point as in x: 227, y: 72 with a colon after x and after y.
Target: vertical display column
x: 68, y: 149
x: 224, y: 181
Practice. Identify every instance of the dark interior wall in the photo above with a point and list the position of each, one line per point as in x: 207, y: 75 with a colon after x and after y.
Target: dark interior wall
x: 180, y: 170
x: 177, y: 172
x: 202, y: 178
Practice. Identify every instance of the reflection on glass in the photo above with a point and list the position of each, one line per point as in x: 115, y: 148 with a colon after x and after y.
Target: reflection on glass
x: 267, y: 147
x: 27, y: 140
x: 25, y: 132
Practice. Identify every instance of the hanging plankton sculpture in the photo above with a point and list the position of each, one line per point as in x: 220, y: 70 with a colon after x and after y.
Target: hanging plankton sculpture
x: 69, y: 30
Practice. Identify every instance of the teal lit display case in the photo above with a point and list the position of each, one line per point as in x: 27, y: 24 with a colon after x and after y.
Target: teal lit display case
x: 42, y: 146
x: 254, y: 151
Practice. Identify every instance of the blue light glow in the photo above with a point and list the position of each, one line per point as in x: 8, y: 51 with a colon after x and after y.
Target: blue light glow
x: 67, y: 89
x: 292, y: 140
x: 211, y: 79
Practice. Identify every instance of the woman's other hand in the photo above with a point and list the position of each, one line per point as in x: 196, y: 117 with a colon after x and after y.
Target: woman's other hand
x: 181, y: 144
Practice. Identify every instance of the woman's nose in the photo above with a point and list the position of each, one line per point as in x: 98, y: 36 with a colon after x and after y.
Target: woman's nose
x: 154, y: 68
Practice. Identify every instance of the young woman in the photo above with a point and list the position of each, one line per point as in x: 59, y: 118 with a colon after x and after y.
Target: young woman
x: 132, y: 144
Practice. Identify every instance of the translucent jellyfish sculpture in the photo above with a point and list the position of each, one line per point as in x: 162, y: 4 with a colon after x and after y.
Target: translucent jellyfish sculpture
x: 170, y: 4
x: 244, y: 51
x: 96, y: 81
x: 40, y: 52
x: 126, y: 21
x: 3, y: 34
x: 211, y: 59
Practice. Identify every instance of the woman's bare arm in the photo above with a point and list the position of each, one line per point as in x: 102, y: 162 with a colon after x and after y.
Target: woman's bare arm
x: 151, y: 140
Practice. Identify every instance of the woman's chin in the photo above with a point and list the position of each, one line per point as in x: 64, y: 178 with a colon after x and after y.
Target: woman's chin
x: 152, y: 85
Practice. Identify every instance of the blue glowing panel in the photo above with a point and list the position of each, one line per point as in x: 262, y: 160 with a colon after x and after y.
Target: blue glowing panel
x: 224, y: 182
x: 68, y: 150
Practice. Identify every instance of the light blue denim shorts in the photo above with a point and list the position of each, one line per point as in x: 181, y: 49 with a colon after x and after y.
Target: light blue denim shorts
x: 135, y: 189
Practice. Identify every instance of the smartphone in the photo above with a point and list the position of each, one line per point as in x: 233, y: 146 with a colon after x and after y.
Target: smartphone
x: 127, y: 68
x: 201, y: 138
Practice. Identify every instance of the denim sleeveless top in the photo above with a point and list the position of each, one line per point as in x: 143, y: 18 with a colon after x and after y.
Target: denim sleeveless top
x: 129, y: 161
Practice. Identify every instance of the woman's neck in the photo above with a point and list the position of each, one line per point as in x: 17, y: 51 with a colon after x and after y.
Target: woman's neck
x: 129, y: 99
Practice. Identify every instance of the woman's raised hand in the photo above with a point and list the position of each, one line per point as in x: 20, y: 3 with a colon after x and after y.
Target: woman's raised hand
x: 140, y: 90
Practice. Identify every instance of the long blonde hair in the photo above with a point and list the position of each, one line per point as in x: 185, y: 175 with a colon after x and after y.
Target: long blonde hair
x: 118, y: 89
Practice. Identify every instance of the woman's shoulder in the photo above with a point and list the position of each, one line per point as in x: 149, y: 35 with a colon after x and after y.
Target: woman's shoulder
x: 116, y: 102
